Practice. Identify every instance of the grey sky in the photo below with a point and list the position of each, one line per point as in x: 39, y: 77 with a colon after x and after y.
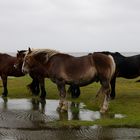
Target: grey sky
x: 70, y: 25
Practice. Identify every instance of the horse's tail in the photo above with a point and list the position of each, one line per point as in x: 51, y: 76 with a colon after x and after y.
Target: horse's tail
x: 113, y: 69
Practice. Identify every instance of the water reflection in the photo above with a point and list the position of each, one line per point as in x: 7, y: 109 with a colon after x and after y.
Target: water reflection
x: 34, y: 109
x: 28, y: 119
x: 37, y: 105
x: 75, y: 109
x: 5, y: 102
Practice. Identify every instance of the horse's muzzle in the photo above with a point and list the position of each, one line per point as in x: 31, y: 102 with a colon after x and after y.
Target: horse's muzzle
x: 15, y: 66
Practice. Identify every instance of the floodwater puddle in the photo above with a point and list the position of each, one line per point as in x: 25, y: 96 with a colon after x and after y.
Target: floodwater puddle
x: 28, y: 119
x: 26, y: 113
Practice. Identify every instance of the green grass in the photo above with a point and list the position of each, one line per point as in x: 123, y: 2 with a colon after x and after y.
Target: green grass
x: 127, y: 100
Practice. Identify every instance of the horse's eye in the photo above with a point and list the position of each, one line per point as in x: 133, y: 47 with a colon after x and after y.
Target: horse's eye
x: 26, y: 60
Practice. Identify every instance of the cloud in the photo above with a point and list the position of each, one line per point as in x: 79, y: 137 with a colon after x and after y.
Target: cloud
x: 70, y: 25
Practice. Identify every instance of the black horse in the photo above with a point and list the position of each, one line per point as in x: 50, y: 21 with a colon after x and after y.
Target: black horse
x: 126, y: 67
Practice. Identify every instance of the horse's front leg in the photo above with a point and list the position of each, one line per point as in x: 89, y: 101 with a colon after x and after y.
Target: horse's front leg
x: 63, y: 104
x: 4, y: 81
x: 42, y: 86
x: 34, y: 87
x: 99, y: 92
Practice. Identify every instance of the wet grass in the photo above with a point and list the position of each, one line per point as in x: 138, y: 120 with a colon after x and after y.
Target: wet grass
x: 127, y: 101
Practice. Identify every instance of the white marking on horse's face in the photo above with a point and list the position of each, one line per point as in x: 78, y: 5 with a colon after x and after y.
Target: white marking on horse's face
x: 25, y: 68
x: 15, y: 66
x: 47, y: 58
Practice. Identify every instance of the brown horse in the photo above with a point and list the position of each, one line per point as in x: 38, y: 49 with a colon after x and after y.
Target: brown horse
x: 38, y: 82
x: 34, y: 86
x: 7, y: 69
x: 66, y: 69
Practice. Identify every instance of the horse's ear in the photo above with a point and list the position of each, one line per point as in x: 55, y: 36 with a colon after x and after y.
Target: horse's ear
x: 29, y: 49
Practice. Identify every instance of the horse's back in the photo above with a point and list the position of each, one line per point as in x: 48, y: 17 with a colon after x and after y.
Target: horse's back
x: 70, y: 67
x: 85, y: 68
x: 129, y: 67
x: 7, y: 66
x: 5, y: 61
x: 133, y: 60
x: 69, y: 61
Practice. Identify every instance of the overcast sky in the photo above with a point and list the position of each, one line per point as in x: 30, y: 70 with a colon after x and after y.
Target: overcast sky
x: 70, y: 25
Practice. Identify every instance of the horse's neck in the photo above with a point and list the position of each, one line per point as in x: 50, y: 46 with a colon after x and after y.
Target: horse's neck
x: 39, y: 53
x: 12, y: 60
x: 8, y: 58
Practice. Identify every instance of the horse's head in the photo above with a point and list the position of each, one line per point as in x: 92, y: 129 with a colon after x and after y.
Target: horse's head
x: 36, y: 59
x: 20, y: 57
x: 28, y: 62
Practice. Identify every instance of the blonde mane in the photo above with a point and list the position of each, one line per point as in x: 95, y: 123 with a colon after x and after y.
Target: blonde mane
x: 49, y: 52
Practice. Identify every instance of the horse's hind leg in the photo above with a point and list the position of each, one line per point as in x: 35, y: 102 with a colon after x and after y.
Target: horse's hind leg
x: 106, y: 90
x: 4, y: 81
x: 99, y: 91
x: 63, y: 105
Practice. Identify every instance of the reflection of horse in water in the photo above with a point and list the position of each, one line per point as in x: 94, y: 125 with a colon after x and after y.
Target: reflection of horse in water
x: 66, y: 69
x: 72, y: 114
x: 36, y: 105
x: 75, y: 111
x: 34, y: 86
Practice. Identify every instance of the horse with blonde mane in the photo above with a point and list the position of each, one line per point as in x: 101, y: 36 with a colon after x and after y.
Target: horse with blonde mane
x: 65, y: 69
x: 34, y: 86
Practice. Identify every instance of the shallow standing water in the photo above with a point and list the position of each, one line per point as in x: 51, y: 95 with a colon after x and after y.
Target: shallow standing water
x: 29, y: 119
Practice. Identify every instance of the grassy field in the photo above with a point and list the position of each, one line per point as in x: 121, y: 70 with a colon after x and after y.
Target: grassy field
x: 127, y: 100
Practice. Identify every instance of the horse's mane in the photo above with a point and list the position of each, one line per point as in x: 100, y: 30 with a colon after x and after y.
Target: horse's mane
x: 22, y: 51
x: 49, y: 52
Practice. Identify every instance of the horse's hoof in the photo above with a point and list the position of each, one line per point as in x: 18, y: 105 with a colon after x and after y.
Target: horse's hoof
x: 5, y: 99
x: 42, y: 98
x: 112, y: 98
x: 58, y: 109
x: 42, y: 101
x: 4, y: 95
x: 34, y: 97
x: 103, y: 110
x: 63, y: 111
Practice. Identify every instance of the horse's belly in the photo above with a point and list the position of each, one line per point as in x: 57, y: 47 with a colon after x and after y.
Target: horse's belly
x: 82, y: 78
x: 129, y: 73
